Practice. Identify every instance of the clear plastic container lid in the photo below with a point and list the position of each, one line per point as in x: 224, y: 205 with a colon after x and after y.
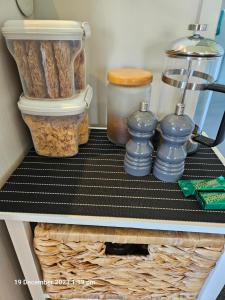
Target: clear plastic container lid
x: 67, y: 107
x: 45, y: 30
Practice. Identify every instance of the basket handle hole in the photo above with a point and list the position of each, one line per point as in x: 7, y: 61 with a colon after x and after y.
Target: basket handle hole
x: 126, y: 249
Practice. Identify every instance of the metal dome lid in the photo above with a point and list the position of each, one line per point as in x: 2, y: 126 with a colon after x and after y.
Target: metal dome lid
x: 195, y: 45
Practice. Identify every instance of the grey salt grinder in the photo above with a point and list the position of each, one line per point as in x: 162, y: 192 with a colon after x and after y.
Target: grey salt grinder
x: 141, y: 127
x: 176, y: 130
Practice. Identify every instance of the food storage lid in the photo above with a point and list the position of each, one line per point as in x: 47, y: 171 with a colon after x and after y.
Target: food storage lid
x: 45, y: 30
x: 130, y: 77
x: 67, y: 107
x: 87, y: 29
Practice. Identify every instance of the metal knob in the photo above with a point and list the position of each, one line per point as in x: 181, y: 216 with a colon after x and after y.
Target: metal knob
x: 143, y: 106
x: 179, y: 109
x: 197, y: 27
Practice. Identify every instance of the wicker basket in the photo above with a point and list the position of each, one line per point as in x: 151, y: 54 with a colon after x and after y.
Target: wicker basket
x: 175, y: 267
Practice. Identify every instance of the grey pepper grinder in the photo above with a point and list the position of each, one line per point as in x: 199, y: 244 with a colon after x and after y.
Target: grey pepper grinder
x: 176, y: 130
x: 141, y: 126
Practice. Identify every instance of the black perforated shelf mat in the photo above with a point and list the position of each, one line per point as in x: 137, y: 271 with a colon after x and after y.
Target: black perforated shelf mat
x: 94, y: 183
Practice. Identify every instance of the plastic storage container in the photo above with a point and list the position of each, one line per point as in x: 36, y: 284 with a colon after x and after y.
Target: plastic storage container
x: 80, y: 71
x: 83, y: 129
x: 126, y: 89
x: 45, y: 52
x: 58, y: 127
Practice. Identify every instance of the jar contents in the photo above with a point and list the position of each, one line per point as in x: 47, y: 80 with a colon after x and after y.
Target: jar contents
x: 117, y: 130
x: 84, y: 130
x: 80, y: 71
x: 46, y: 67
x: 54, y: 136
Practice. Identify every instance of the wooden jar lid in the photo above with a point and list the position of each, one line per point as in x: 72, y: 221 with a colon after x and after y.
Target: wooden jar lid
x: 129, y: 77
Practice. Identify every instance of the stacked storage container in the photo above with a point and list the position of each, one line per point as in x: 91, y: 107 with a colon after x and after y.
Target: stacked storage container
x: 50, y: 57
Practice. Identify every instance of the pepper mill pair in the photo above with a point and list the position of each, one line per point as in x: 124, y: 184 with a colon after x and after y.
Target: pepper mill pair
x: 175, y: 130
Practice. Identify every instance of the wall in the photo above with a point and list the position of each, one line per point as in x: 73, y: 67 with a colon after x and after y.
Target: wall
x: 13, y: 138
x: 128, y: 33
x: 13, y: 143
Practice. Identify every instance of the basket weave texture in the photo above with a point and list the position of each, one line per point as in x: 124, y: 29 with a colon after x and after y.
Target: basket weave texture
x: 175, y: 268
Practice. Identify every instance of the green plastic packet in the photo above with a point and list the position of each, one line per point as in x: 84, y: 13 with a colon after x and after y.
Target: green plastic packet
x: 190, y: 187
x: 214, y: 201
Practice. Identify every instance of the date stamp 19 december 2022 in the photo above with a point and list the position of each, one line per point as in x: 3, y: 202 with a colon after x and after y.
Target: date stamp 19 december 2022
x: 54, y: 282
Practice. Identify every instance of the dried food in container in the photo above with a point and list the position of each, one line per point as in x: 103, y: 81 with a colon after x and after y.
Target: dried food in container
x: 54, y: 136
x: 45, y: 51
x: 57, y: 127
x: 80, y: 71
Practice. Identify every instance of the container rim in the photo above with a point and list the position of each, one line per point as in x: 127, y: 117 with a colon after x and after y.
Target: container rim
x: 58, y: 107
x: 45, y: 30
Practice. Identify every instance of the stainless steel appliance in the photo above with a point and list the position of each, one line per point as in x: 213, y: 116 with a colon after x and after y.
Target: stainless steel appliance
x: 191, y: 67
x: 190, y: 70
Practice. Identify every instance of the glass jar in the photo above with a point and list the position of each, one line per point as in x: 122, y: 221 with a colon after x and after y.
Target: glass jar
x: 126, y: 89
